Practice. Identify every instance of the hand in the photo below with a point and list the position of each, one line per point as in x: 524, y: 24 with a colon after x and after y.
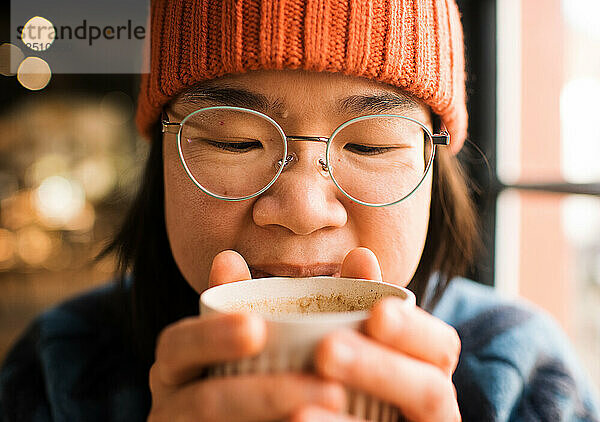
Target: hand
x: 406, y: 358
x: 188, y: 346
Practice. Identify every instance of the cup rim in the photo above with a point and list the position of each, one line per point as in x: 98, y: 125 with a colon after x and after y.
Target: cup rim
x: 321, y: 317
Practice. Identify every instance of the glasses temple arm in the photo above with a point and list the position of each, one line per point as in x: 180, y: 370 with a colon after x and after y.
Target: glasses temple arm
x: 166, y: 125
x: 443, y: 136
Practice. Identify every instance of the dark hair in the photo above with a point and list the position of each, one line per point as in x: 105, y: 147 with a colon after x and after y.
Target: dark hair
x: 453, y: 231
x: 161, y: 295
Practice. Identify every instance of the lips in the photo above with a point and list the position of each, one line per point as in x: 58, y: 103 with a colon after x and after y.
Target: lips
x: 291, y: 270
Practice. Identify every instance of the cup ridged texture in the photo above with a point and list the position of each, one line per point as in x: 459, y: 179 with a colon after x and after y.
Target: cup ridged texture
x: 360, y: 405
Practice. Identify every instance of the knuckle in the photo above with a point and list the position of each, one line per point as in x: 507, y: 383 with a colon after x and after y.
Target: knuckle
x: 434, y: 394
x: 447, y: 361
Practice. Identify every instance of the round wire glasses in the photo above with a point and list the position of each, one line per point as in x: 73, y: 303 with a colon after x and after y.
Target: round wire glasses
x: 234, y: 154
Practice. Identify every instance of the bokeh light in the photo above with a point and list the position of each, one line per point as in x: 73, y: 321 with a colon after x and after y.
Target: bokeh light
x: 59, y: 200
x: 34, y: 73
x: 33, y: 245
x: 11, y: 57
x: 97, y: 175
x: 62, y: 154
x: 17, y: 211
x: 38, y: 33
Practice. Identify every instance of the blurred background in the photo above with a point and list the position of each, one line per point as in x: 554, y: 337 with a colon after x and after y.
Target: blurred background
x: 70, y: 162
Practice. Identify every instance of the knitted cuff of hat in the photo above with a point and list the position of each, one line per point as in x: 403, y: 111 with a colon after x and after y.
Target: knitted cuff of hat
x: 415, y: 45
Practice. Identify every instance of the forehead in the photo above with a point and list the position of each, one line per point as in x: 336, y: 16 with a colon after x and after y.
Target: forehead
x: 285, y: 92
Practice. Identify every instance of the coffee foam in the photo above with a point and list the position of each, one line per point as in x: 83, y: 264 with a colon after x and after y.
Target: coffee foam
x: 283, y: 307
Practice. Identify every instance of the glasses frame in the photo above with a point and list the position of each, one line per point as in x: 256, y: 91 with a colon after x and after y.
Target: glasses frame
x: 442, y: 138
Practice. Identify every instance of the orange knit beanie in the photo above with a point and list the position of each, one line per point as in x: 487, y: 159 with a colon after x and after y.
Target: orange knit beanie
x: 416, y: 45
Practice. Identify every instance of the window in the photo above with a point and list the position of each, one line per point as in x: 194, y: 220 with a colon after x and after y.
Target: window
x: 534, y: 87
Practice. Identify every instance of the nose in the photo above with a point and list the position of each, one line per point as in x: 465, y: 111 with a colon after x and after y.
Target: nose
x: 304, y: 199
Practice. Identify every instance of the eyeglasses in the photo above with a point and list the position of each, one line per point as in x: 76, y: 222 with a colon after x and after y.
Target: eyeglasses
x: 234, y: 154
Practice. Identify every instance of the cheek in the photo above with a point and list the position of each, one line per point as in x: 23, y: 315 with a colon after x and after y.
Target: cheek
x: 198, y: 226
x: 397, y: 234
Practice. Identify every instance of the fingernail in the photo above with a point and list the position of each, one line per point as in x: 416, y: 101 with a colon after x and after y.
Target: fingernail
x: 392, y: 312
x: 248, y: 333
x: 343, y: 353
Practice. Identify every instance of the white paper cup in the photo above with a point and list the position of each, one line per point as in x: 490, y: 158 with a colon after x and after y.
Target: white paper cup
x: 293, y: 334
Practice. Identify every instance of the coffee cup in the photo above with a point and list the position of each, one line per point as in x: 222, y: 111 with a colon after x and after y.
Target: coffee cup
x: 299, y: 312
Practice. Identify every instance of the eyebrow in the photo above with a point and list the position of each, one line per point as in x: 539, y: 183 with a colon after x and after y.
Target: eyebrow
x: 376, y: 103
x: 229, y: 96
x: 238, y: 97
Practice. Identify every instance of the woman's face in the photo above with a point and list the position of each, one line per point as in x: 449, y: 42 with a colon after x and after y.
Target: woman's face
x: 302, y: 225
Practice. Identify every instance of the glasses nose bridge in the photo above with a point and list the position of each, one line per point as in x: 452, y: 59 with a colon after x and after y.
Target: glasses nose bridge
x: 291, y: 156
x: 299, y: 138
x: 307, y: 138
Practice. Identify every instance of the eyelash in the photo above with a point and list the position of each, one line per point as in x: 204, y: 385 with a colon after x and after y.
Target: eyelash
x: 234, y: 146
x: 365, y: 150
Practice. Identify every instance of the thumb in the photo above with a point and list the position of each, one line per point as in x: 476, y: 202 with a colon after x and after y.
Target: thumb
x: 361, y: 263
x: 228, y: 266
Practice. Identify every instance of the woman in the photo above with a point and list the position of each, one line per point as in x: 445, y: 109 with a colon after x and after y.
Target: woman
x: 298, y: 138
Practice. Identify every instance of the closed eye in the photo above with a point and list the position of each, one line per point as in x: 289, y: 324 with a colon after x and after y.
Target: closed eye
x: 229, y: 145
x: 368, y: 150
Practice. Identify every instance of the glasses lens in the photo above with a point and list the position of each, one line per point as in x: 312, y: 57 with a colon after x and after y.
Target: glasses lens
x: 380, y: 159
x: 231, y: 153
